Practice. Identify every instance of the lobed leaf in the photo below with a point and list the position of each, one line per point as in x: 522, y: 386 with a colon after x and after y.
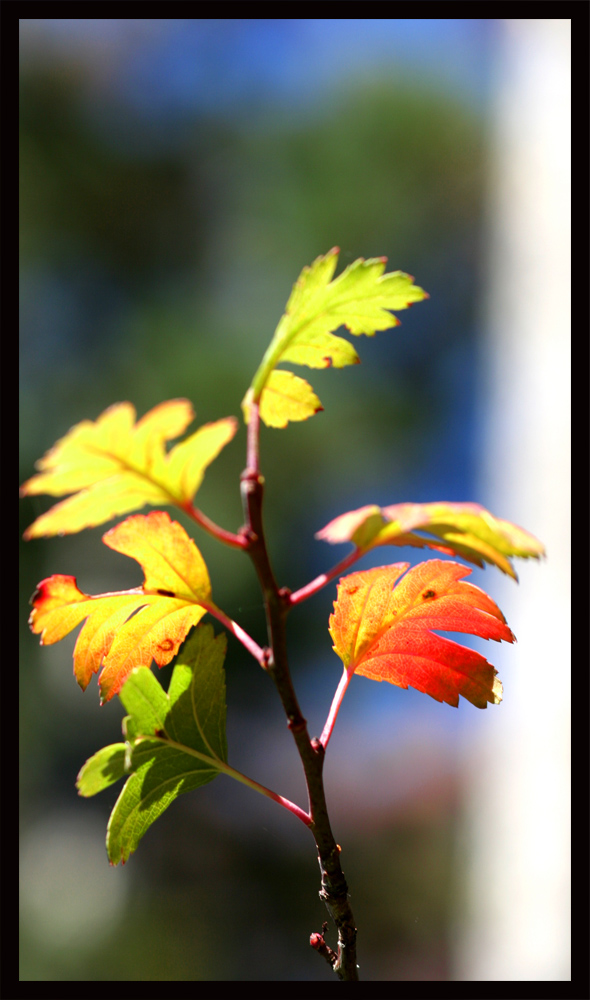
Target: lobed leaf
x: 464, y: 529
x: 361, y: 299
x: 130, y: 628
x: 286, y: 397
x: 176, y: 742
x: 382, y: 628
x: 113, y: 466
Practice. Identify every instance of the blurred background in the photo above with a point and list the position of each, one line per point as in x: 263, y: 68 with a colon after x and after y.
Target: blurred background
x: 176, y: 175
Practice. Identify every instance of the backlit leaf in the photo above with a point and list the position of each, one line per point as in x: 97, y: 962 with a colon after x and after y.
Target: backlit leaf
x: 463, y: 529
x: 382, y: 628
x: 130, y: 628
x: 102, y: 770
x: 361, y: 299
x: 286, y: 397
x: 113, y: 465
x: 176, y: 742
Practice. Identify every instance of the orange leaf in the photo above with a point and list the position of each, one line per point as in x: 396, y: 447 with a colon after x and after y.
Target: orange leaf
x: 130, y: 628
x: 382, y: 628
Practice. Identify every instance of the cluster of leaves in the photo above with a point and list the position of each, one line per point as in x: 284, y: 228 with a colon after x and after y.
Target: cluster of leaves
x: 383, y: 620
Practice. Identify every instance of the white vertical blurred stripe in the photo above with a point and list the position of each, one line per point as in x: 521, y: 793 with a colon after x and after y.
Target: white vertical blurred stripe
x: 516, y: 840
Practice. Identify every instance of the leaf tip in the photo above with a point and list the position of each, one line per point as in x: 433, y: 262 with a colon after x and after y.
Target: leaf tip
x: 497, y: 691
x: 32, y: 531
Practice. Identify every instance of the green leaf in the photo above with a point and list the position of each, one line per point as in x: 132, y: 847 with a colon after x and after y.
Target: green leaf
x: 146, y: 701
x: 361, y: 299
x: 102, y: 770
x: 464, y: 529
x: 160, y: 774
x: 175, y: 742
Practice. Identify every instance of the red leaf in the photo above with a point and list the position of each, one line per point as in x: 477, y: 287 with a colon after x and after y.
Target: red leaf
x: 382, y: 628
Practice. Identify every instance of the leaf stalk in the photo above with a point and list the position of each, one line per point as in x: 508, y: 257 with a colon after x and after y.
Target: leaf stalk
x: 320, y: 581
x: 247, y: 641
x: 238, y: 541
x: 231, y: 772
x: 335, y: 706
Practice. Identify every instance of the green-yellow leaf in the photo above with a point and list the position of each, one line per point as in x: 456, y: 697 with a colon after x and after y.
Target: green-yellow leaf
x: 114, y: 465
x: 361, y: 299
x: 102, y: 770
x: 463, y: 529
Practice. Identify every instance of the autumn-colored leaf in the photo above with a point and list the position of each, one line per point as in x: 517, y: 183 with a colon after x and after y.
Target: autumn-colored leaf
x: 113, y: 465
x: 361, y: 299
x: 130, y: 628
x: 463, y: 529
x: 382, y: 628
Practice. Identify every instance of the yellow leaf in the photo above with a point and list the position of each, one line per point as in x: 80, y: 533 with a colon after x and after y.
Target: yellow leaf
x: 285, y: 397
x: 113, y: 465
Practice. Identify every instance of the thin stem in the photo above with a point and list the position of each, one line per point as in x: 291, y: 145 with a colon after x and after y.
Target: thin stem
x: 256, y: 651
x: 324, y: 578
x: 257, y: 787
x: 252, y: 453
x: 231, y: 772
x: 238, y: 541
x: 335, y: 706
